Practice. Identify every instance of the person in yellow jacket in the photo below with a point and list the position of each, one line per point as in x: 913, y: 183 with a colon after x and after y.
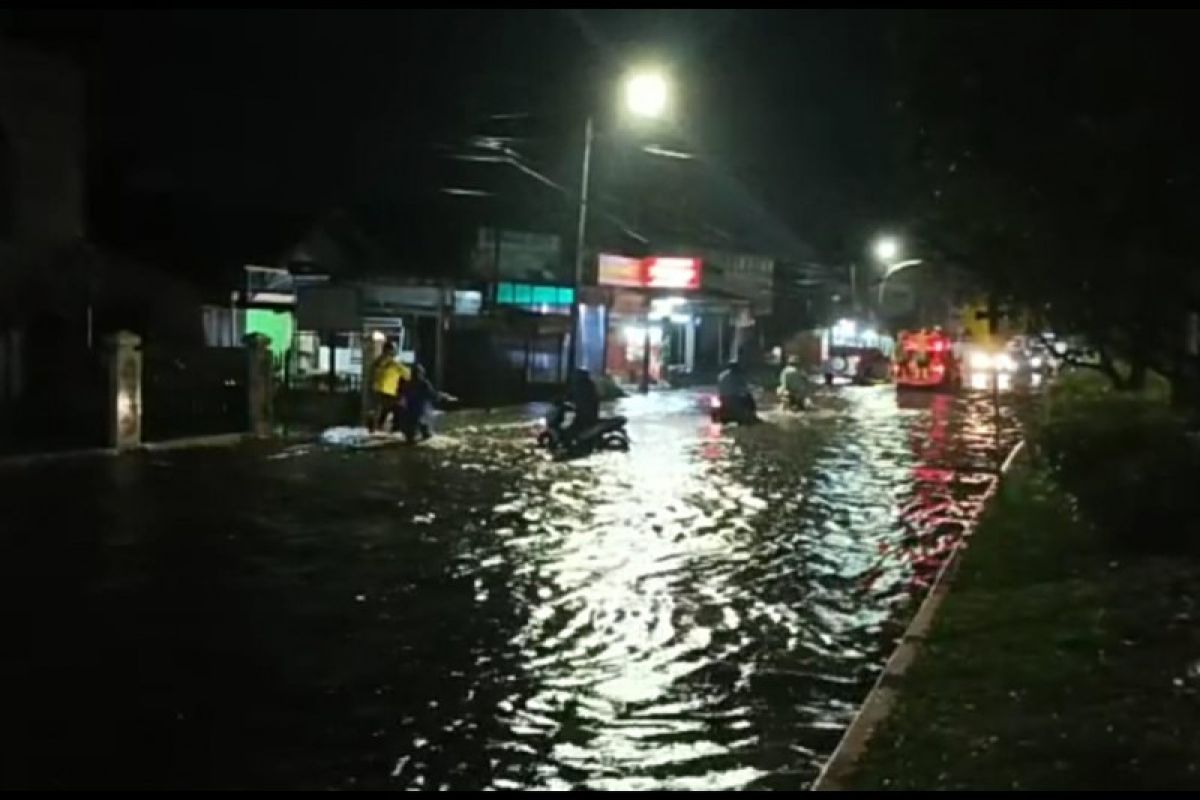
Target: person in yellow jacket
x: 388, y: 377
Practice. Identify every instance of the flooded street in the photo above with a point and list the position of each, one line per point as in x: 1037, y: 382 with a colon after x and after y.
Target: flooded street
x: 703, y: 612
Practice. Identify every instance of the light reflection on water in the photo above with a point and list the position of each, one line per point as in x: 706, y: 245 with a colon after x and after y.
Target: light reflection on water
x: 706, y: 610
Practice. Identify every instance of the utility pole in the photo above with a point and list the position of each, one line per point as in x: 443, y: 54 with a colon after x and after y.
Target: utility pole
x: 580, y: 244
x: 644, y: 388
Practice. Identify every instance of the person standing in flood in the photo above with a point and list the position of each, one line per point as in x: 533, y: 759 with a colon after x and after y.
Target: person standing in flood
x: 388, y: 377
x: 417, y: 401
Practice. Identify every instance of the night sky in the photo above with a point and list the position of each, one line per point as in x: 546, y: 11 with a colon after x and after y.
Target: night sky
x: 291, y: 113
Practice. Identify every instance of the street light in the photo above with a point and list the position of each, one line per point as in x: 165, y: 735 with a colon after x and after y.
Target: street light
x: 892, y: 270
x: 646, y: 94
x: 886, y: 249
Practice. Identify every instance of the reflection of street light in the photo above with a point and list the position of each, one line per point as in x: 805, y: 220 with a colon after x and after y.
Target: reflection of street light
x: 646, y: 95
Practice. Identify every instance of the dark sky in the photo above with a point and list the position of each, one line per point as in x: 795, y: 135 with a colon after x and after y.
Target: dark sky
x: 296, y: 111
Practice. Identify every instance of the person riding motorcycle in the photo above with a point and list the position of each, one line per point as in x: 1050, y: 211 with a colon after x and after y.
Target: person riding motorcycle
x: 734, y: 391
x: 587, y: 431
x: 793, y: 384
x: 585, y: 400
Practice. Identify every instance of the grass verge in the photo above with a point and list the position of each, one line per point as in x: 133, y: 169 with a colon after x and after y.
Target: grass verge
x: 1057, y: 662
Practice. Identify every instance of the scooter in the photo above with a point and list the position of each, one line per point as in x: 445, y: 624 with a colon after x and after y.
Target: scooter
x: 607, y: 433
x: 742, y: 410
x: 792, y: 402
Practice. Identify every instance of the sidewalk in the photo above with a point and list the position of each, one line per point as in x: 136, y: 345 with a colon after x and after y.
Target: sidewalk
x: 1053, y: 664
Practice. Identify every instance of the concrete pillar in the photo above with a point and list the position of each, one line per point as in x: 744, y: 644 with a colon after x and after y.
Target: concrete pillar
x: 260, y: 384
x: 689, y: 347
x: 439, y: 342
x: 125, y: 390
x: 372, y: 348
x: 720, y: 340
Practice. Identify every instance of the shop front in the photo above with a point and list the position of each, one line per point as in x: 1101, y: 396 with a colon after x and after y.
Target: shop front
x: 660, y: 325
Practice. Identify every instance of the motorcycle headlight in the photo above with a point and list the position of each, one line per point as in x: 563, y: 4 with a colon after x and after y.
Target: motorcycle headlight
x: 981, y: 361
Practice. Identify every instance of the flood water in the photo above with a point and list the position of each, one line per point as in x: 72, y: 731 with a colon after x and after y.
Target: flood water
x: 705, y: 611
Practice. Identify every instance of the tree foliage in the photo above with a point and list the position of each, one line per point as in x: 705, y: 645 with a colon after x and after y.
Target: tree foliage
x: 1055, y: 155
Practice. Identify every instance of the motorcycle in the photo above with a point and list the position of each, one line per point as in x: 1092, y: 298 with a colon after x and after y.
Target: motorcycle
x: 792, y: 402
x: 606, y: 433
x: 742, y: 410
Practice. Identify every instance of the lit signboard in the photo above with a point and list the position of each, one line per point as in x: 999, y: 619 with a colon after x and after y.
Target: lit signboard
x: 619, y: 271
x: 656, y: 272
x: 671, y: 273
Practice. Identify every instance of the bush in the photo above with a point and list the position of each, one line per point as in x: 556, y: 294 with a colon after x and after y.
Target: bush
x: 1127, y: 461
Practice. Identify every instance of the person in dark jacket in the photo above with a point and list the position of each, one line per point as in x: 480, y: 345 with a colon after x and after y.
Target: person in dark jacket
x: 586, y: 400
x: 419, y: 398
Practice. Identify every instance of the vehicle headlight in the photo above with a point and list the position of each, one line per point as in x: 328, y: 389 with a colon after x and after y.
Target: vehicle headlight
x: 1003, y: 362
x: 1036, y: 362
x: 980, y: 361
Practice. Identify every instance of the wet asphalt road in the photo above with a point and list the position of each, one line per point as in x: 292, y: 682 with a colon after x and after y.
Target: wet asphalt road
x: 705, y: 611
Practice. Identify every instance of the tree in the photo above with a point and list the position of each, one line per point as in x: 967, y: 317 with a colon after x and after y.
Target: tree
x: 1053, y: 155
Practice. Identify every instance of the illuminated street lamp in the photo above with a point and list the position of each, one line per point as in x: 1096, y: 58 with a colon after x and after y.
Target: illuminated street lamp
x: 887, y: 249
x: 646, y: 95
x: 892, y: 270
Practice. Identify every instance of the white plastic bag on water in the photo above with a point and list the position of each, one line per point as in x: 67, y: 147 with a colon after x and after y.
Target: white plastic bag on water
x: 345, y: 436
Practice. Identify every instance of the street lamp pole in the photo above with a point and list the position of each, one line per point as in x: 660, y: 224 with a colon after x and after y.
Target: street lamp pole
x: 645, y: 96
x: 892, y: 270
x: 580, y: 239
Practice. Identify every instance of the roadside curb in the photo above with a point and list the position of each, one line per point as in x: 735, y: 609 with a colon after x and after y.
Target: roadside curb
x: 184, y: 443
x: 882, y: 697
x: 35, y: 459
x: 212, y: 440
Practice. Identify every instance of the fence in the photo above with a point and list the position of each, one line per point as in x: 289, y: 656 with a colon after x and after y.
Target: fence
x: 194, y: 392
x: 315, y: 400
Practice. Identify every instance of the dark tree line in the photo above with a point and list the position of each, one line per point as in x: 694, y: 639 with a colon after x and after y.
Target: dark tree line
x: 1056, y: 155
